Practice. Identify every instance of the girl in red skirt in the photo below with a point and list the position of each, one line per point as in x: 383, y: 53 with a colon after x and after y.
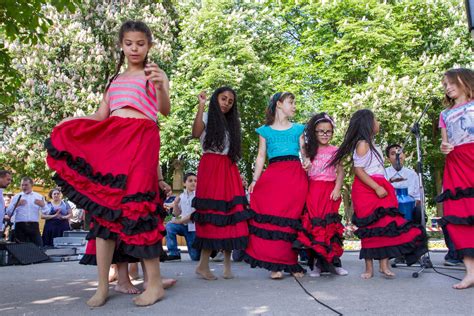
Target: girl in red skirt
x: 107, y: 163
x: 125, y: 268
x: 278, y: 195
x: 457, y: 132
x: 383, y: 231
x: 322, y: 228
x: 221, y: 205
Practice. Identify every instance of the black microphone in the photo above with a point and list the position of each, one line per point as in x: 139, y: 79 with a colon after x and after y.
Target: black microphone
x: 398, y: 164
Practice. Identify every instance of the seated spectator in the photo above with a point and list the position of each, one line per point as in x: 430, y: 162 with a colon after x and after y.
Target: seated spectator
x: 168, y: 203
x: 77, y: 218
x: 181, y: 224
x: 403, y: 178
x: 56, y: 213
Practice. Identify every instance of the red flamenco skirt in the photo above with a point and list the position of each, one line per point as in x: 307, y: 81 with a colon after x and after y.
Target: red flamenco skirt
x: 221, y: 205
x: 458, y: 198
x: 383, y: 230
x: 278, y: 199
x: 109, y: 168
x: 322, y: 229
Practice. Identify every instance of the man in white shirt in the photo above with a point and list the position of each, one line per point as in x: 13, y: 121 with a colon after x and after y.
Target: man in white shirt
x: 27, y: 213
x: 181, y: 224
x: 403, y: 178
x: 5, y: 180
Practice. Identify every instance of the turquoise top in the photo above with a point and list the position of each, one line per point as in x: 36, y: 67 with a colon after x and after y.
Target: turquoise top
x: 282, y: 143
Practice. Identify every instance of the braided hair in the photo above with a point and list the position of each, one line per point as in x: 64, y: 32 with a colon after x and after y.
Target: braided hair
x: 131, y: 26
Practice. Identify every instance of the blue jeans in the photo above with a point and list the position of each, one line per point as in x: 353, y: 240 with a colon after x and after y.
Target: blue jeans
x: 172, y: 230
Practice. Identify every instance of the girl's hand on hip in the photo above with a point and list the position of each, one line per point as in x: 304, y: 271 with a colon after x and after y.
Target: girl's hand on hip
x: 381, y: 192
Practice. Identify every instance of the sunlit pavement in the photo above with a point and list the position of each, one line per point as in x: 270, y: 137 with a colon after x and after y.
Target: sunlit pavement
x: 63, y: 288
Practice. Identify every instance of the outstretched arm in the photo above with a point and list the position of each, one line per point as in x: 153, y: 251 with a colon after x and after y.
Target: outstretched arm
x: 198, y: 125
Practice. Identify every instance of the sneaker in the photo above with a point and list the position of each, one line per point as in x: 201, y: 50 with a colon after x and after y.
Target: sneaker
x: 173, y: 258
x: 315, y: 273
x: 453, y: 263
x: 219, y: 257
x: 341, y: 271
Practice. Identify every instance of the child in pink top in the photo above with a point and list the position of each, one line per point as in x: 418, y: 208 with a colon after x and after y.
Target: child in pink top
x: 322, y: 229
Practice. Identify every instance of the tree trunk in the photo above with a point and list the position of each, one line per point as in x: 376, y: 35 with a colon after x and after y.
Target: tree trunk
x: 346, y: 199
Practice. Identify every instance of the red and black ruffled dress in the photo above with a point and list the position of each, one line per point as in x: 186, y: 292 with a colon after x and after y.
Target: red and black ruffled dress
x: 221, y: 204
x: 382, y: 228
x: 278, y: 200
x: 322, y: 231
x: 109, y: 168
x: 458, y: 178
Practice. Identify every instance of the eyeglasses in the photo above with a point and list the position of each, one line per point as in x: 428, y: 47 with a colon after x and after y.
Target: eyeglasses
x: 323, y: 133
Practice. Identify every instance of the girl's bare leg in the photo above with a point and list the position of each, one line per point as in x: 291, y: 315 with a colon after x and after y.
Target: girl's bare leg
x: 154, y: 290
x: 203, y: 266
x: 227, y: 265
x: 105, y: 251
x: 369, y: 269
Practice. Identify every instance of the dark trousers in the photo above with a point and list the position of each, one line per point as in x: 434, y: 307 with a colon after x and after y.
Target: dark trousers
x: 452, y: 253
x: 28, y: 232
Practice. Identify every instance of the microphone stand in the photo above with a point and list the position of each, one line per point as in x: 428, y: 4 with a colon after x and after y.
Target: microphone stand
x: 425, y: 259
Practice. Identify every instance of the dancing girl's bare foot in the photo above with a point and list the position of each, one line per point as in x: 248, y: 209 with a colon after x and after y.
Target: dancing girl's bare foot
x: 387, y: 273
x: 276, y: 275
x: 227, y: 274
x: 467, y: 282
x: 167, y: 283
x: 367, y: 275
x: 149, y: 296
x: 298, y: 274
x: 206, y: 274
x: 127, y: 288
x: 99, y: 298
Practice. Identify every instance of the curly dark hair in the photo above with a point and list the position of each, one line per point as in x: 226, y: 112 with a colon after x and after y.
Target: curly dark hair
x: 219, y: 125
x: 361, y: 127
x: 310, y: 139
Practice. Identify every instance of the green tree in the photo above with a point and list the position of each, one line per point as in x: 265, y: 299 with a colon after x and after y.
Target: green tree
x: 24, y: 22
x: 222, y: 44
x: 387, y: 56
x: 66, y: 73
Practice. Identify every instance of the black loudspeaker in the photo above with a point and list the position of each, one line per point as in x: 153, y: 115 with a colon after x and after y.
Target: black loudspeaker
x: 470, y: 14
x: 20, y: 253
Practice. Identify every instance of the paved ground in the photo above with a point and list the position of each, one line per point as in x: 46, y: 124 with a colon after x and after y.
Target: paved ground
x: 63, y: 288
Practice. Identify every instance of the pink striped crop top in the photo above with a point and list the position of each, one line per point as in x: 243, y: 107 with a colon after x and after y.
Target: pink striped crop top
x: 130, y: 91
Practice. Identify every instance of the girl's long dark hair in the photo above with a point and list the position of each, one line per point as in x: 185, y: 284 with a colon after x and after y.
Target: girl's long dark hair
x: 311, y: 140
x: 361, y: 127
x: 220, y: 124
x: 130, y: 26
